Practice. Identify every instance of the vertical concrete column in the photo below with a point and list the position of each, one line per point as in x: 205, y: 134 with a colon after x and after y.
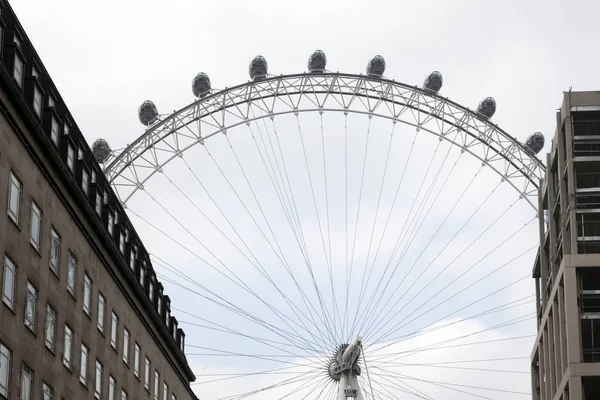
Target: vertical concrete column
x: 572, y: 316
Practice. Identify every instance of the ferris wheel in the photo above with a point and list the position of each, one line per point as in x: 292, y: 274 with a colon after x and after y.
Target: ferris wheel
x: 339, y: 236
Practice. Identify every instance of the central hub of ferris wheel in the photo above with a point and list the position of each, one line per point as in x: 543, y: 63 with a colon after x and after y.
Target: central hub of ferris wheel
x: 344, y: 368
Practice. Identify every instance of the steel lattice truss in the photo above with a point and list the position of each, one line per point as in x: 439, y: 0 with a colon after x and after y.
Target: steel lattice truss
x: 171, y: 135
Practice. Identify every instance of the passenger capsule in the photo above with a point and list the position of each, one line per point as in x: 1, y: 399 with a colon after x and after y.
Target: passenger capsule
x: 201, y: 85
x: 535, y: 142
x: 101, y: 150
x: 376, y: 66
x: 433, y: 81
x: 487, y: 107
x: 147, y: 113
x: 317, y: 62
x: 258, y: 68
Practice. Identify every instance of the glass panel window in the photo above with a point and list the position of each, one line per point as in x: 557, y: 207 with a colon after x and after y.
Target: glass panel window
x: 54, y: 131
x: 35, y: 226
x: 142, y: 273
x: 54, y: 251
x: 156, y: 384
x: 15, y: 189
x: 37, y: 102
x: 98, y: 202
x: 112, y: 388
x: 122, y: 242
x: 5, y: 358
x: 98, y: 380
x: 51, y: 101
x: 147, y: 374
x: 66, y: 129
x: 94, y: 176
x: 83, y: 365
x: 101, y: 307
x: 18, y: 71
x: 158, y: 303
x: 173, y: 397
x: 111, y: 223
x: 9, y: 282
x: 123, y: 395
x: 87, y: 294
x: 125, y: 346
x: 31, y: 306
x: 26, y: 383
x: 34, y: 72
x: 165, y: 391
x: 47, y: 391
x: 17, y: 41
x: 132, y: 256
x: 113, y: 330
x: 136, y: 360
x: 71, y: 273
x: 151, y: 290
x: 68, y: 350
x: 80, y: 153
x: 71, y: 158
x: 85, y: 181
x: 105, y: 200
x: 50, y: 333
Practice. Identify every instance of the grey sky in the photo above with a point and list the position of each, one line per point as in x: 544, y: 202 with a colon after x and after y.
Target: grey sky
x: 107, y: 57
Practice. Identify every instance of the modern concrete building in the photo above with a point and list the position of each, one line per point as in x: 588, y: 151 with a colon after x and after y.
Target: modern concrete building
x: 566, y: 356
x: 82, y: 315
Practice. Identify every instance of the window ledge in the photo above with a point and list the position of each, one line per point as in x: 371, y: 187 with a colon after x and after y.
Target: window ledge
x: 12, y: 310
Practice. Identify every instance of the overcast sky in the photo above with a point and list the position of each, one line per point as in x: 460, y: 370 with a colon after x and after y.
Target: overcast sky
x: 107, y: 57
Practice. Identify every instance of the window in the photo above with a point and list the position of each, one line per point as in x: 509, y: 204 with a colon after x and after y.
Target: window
x: 147, y: 374
x: 17, y: 41
x: 26, y: 383
x: 83, y: 364
x: 165, y: 391
x: 101, y: 307
x: 125, y: 346
x: 167, y: 317
x: 68, y: 350
x: 80, y: 153
x: 87, y: 294
x: 34, y: 72
x: 136, y: 360
x: 47, y: 392
x: 9, y: 283
x: 66, y: 129
x: 70, y: 158
x: 113, y: 330
x: 123, y: 395
x: 122, y: 242
x: 14, y: 198
x: 94, y: 176
x: 18, y: 71
x: 5, y: 356
x: 51, y: 101
x: 99, y: 202
x: 98, y: 380
x: 142, y: 273
x: 54, y: 251
x: 50, y: 333
x: 54, y: 131
x: 158, y: 303
x: 35, y: 226
x: 111, y: 223
x: 132, y: 255
x: 37, y: 102
x: 85, y: 181
x: 71, y: 274
x: 156, y: 384
x: 173, y: 397
x: 112, y: 388
x: 105, y: 200
x: 31, y: 306
x: 151, y: 290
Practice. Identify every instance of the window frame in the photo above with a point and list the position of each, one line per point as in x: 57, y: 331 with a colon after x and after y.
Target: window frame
x: 5, y: 353
x: 68, y: 361
x: 14, y: 184
x: 126, y: 340
x: 31, y: 297
x: 47, y: 391
x: 71, y: 158
x: 85, y: 181
x: 35, y: 215
x: 26, y: 376
x: 98, y: 203
x: 165, y: 391
x: 55, y: 241
x: 37, y: 105
x: 71, y: 266
x: 50, y: 343
x: 101, y: 312
x: 18, y: 76
x: 156, y: 384
x: 83, y: 366
x: 54, y: 128
x: 114, y: 330
x: 112, y: 387
x: 9, y: 264
x: 147, y: 372
x: 98, y: 379
x: 87, y: 294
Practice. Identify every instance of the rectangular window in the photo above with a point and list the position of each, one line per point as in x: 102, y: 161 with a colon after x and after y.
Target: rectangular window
x: 54, y: 131
x: 158, y: 303
x: 132, y: 256
x: 35, y: 226
x: 83, y: 365
x: 31, y: 306
x: 66, y: 129
x: 37, y: 102
x: 26, y: 383
x: 151, y: 290
x: 18, y: 71
x: 136, y: 360
x: 54, y: 251
x: 9, y: 283
x: 87, y: 294
x: 165, y: 391
x: 68, y: 350
x: 142, y: 273
x: 173, y: 397
x: 94, y: 176
x: 80, y: 153
x: 99, y: 202
x: 34, y: 72
x: 50, y: 331
x: 101, y: 307
x: 123, y: 395
x: 85, y: 181
x: 125, y: 346
x: 70, y: 158
x: 156, y: 385
x: 47, y: 391
x: 112, y: 388
x: 51, y: 101
x: 113, y: 330
x: 147, y: 374
x: 122, y: 243
x: 15, y: 189
x: 5, y: 357
x: 98, y: 380
x: 71, y: 274
x: 17, y: 41
x: 111, y: 223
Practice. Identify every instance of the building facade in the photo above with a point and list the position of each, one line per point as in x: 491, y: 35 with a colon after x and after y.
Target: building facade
x: 83, y: 315
x: 566, y: 355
